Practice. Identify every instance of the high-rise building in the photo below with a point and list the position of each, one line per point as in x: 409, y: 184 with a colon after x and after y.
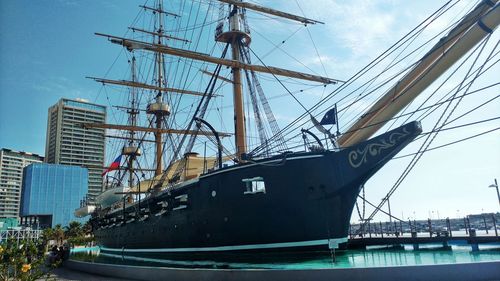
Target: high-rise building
x: 52, y: 193
x: 11, y: 178
x: 69, y: 143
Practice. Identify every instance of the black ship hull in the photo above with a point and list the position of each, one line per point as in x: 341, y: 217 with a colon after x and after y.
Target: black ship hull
x: 294, y: 201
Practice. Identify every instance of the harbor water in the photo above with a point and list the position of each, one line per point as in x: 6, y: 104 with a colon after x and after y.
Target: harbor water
x: 429, y: 254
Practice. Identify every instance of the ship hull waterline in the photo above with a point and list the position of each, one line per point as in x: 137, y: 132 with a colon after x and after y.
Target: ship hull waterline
x: 303, y: 201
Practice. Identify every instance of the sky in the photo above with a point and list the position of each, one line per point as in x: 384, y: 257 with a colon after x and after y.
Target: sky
x: 48, y: 47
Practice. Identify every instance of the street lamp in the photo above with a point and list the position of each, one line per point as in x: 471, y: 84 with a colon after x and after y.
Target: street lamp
x: 495, y: 185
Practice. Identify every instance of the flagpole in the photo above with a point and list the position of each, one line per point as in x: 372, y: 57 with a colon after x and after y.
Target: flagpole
x: 337, y: 120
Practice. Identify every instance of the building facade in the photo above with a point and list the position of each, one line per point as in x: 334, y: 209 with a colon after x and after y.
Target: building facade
x: 12, y: 164
x: 69, y: 143
x: 52, y: 193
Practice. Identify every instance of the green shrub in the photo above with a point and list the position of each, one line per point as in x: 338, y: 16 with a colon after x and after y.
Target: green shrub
x: 22, y: 260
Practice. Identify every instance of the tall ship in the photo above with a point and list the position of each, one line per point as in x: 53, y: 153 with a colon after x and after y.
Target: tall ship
x: 258, y: 186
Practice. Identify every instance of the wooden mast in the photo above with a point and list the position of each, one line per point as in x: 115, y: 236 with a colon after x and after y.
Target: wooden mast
x: 159, y: 109
x: 133, y: 122
x: 235, y: 36
x: 237, y: 39
x: 440, y: 58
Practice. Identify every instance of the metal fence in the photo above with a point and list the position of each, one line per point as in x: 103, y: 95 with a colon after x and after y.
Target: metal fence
x: 20, y: 234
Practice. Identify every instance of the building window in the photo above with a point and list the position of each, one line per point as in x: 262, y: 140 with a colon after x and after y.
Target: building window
x: 254, y: 185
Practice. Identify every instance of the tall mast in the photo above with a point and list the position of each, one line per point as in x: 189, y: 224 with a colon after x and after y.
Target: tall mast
x: 133, y: 122
x: 234, y: 35
x: 131, y: 149
x: 159, y: 109
x: 240, y: 38
x: 159, y: 97
x: 237, y: 38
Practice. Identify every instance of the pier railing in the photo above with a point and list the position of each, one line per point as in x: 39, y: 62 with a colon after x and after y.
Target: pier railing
x: 20, y: 234
x: 486, y: 224
x: 474, y: 229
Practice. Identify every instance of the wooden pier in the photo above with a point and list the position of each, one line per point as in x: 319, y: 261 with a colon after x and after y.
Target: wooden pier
x: 363, y: 242
x: 446, y: 232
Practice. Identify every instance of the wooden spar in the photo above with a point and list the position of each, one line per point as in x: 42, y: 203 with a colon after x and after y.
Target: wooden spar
x: 128, y: 138
x: 270, y: 11
x: 119, y: 168
x: 134, y: 44
x: 441, y: 57
x: 159, y: 34
x: 218, y: 76
x: 145, y: 86
x: 159, y: 10
x: 151, y: 130
x: 127, y: 108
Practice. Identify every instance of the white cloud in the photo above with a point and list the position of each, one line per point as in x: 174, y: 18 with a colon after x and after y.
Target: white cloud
x: 284, y: 118
x: 61, y: 86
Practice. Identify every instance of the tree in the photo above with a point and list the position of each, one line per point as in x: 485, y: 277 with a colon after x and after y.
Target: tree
x: 87, y: 228
x: 58, y: 234
x: 47, y: 234
x: 74, y: 229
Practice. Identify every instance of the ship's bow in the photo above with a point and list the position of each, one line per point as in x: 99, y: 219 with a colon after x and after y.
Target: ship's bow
x: 359, y: 162
x: 354, y: 165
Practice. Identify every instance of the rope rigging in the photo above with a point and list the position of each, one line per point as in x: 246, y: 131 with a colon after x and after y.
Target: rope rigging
x: 446, y: 114
x: 200, y: 112
x: 291, y: 128
x: 272, y: 138
x: 254, y: 85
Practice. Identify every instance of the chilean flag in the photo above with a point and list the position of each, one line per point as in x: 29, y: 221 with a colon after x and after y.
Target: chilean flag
x: 114, y: 166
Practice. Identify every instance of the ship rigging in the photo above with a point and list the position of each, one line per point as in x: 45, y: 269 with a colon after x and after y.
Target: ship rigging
x: 273, y: 193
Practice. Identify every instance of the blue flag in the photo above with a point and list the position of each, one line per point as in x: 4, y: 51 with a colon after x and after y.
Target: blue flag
x: 330, y: 117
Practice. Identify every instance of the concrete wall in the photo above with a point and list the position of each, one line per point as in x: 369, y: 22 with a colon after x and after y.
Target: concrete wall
x: 444, y: 272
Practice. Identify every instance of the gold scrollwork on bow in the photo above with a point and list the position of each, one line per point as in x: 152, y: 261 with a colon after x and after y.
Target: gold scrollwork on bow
x: 359, y: 156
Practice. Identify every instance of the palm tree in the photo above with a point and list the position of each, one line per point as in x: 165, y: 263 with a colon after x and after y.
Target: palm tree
x: 87, y: 228
x: 74, y: 229
x: 58, y: 234
x: 47, y: 234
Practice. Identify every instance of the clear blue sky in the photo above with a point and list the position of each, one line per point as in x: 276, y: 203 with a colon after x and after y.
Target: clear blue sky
x: 48, y: 47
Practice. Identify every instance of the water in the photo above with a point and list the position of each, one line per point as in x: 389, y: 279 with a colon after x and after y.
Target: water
x: 371, y: 257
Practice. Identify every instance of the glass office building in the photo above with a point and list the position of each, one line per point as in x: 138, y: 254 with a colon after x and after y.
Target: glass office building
x: 69, y: 143
x: 51, y: 193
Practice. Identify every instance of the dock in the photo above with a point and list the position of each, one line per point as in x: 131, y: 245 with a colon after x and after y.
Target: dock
x: 445, y: 232
x: 362, y: 243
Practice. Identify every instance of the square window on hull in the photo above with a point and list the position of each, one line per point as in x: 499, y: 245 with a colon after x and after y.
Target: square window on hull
x: 254, y: 185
